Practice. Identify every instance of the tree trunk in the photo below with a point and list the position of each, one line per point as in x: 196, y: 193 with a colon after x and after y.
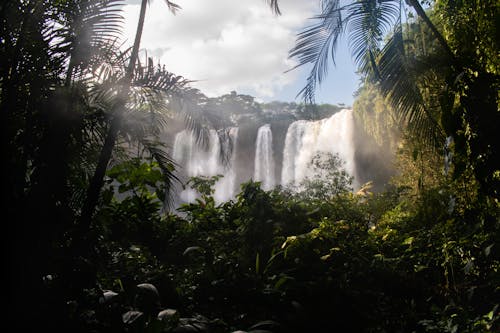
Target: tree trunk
x: 421, y: 13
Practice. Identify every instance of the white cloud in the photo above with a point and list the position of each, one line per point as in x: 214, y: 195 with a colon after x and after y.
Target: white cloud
x: 225, y: 44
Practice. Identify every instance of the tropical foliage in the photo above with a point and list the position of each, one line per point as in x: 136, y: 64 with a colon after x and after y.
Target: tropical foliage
x: 296, y: 262
x: 62, y: 88
x: 434, y: 84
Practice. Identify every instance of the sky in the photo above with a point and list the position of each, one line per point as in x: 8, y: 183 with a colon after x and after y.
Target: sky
x: 228, y: 45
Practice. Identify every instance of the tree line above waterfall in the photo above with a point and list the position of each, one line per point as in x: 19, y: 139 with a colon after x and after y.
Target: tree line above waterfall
x: 233, y: 108
x: 89, y: 246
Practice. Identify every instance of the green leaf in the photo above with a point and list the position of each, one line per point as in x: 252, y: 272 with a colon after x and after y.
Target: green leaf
x: 408, y: 241
x: 326, y: 256
x: 282, y: 281
x: 487, y: 250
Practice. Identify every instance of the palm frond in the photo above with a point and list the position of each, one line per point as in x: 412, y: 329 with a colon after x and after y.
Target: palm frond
x: 365, y: 21
x: 94, y: 102
x: 159, y: 79
x: 368, y: 21
x: 398, y: 82
x: 191, y: 107
x: 274, y: 6
x: 155, y: 95
x: 84, y: 26
x: 167, y: 165
x: 316, y: 45
x: 173, y: 7
x: 109, y: 63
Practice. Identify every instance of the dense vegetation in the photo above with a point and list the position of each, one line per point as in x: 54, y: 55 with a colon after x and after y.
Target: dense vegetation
x: 89, y: 247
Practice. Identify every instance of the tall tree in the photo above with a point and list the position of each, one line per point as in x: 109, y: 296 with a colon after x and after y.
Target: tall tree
x: 404, y: 77
x: 46, y: 46
x: 96, y: 182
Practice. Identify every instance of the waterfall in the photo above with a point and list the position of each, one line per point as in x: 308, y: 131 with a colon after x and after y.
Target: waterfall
x: 293, y: 145
x: 264, y: 160
x: 196, y: 161
x: 304, y: 139
x: 225, y: 188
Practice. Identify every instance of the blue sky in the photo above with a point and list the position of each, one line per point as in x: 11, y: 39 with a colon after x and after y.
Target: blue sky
x: 239, y: 45
x: 338, y: 87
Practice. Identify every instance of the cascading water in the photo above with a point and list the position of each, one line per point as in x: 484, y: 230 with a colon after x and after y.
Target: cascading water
x: 293, y: 146
x: 304, y: 139
x: 196, y: 161
x: 264, y: 160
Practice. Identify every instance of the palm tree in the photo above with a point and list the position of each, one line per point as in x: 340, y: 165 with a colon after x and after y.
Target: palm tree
x: 87, y: 31
x: 96, y: 182
x: 43, y: 67
x: 155, y: 95
x: 406, y: 79
x: 50, y: 49
x: 367, y: 23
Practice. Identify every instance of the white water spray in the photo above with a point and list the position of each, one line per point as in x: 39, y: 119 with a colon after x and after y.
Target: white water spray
x: 264, y: 160
x: 196, y: 161
x: 304, y: 139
